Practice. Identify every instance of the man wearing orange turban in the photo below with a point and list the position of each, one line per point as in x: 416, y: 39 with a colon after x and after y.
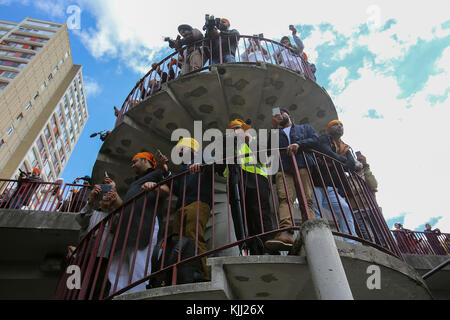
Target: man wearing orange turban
x: 143, y: 228
x: 332, y: 145
x: 223, y: 39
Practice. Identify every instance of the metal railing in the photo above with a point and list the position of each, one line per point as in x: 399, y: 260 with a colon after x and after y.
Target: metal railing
x: 243, y: 49
x: 34, y: 195
x: 423, y: 243
x: 117, y: 255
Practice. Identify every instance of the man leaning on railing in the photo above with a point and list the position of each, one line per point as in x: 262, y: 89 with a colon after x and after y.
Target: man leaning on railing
x: 332, y: 145
x: 292, y: 137
x: 149, y: 174
x: 186, y: 187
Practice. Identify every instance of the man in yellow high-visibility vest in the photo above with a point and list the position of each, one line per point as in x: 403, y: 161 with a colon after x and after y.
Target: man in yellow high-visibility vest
x: 254, y: 193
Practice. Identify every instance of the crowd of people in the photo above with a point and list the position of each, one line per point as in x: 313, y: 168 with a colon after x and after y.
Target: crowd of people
x: 256, y: 228
x: 223, y: 45
x: 431, y: 241
x: 219, y: 44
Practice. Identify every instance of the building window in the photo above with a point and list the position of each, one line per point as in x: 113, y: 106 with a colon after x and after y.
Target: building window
x: 55, y: 70
x: 36, y: 95
x: 9, y: 74
x: 19, y: 118
x: 10, y: 130
x: 2, y: 143
x: 28, y: 106
x: 61, y: 62
x: 50, y: 77
x: 66, y: 55
x: 43, y: 86
x: 32, y: 158
x: 40, y: 144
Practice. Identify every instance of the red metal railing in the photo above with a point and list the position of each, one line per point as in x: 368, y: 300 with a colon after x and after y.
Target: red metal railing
x: 250, y: 50
x: 429, y: 243
x: 42, y: 196
x: 110, y: 264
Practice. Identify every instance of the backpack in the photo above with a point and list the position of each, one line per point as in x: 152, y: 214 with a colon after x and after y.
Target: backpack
x: 189, y: 272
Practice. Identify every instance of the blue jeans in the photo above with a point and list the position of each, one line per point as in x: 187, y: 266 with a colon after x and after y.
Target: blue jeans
x: 226, y: 58
x: 336, y: 209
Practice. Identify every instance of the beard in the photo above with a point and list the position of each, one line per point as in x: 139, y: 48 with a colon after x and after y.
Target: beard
x: 284, y: 122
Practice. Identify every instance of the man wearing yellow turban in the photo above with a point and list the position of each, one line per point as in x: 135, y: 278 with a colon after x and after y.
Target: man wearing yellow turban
x: 187, y: 186
x: 255, y: 217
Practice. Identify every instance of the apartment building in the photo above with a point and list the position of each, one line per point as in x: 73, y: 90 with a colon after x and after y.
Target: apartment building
x: 42, y: 99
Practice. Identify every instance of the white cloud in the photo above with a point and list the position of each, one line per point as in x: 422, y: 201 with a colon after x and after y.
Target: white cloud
x: 407, y: 149
x: 338, y: 78
x: 134, y: 30
x: 53, y: 8
x: 91, y: 87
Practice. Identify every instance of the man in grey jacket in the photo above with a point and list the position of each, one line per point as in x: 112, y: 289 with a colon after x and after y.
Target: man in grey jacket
x: 193, y: 55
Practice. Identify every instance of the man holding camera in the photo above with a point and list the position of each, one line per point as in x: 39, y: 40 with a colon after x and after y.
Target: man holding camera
x: 292, y: 138
x: 192, y: 55
x: 224, y: 40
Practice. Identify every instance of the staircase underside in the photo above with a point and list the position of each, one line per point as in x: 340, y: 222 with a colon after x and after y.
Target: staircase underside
x: 214, y: 97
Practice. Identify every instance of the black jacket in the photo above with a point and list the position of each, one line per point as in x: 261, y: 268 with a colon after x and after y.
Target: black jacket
x: 327, y: 147
x: 152, y: 175
x: 306, y: 137
x: 206, y: 176
x: 229, y: 42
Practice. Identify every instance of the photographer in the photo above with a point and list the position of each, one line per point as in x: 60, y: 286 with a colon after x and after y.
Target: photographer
x: 192, y: 55
x: 224, y: 40
x: 289, y: 55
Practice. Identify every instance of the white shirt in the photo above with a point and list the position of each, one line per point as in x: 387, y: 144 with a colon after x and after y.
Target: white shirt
x: 288, y: 132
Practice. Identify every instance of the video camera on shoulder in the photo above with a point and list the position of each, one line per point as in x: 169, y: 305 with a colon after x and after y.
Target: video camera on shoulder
x: 211, y: 23
x: 173, y: 43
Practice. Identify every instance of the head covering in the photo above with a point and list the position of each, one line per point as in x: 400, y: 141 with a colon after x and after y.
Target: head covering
x: 184, y: 27
x: 285, y: 110
x: 285, y: 38
x: 189, y: 142
x: 36, y: 170
x: 226, y: 20
x: 333, y: 122
x: 146, y: 155
x: 239, y: 122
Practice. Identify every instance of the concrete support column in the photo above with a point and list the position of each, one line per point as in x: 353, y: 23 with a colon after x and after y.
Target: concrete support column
x: 325, y: 265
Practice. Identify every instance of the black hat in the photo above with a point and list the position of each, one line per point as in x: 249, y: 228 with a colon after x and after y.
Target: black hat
x: 185, y: 27
x: 285, y: 110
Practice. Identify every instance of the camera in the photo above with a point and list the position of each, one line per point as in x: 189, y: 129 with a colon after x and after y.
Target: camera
x: 211, y: 23
x: 105, y: 189
x: 173, y: 43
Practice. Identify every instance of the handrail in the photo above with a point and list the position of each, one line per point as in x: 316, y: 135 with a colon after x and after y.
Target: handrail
x: 435, y: 269
x: 422, y: 243
x: 117, y: 238
x: 33, y: 195
x: 168, y: 69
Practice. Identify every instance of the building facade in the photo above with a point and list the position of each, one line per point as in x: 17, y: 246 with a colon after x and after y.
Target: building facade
x: 42, y: 99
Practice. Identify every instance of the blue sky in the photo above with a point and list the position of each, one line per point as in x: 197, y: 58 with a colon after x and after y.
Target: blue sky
x: 386, y: 66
